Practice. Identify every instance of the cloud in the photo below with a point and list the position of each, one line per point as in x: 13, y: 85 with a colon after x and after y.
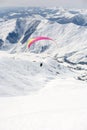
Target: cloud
x: 64, y: 3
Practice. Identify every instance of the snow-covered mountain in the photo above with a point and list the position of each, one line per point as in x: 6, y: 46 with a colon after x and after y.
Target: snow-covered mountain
x: 43, y: 87
x: 67, y: 27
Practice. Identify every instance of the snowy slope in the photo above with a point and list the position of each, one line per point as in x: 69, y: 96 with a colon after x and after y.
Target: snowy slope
x: 51, y: 96
x: 61, y: 105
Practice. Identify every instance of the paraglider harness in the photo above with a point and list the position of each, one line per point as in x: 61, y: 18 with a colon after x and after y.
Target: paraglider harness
x: 41, y: 64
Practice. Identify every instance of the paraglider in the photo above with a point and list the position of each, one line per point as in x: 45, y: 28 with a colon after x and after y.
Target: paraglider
x: 39, y: 38
x: 33, y: 40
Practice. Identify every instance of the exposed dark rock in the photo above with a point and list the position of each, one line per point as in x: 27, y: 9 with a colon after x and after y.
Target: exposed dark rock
x: 83, y: 63
x: 1, y: 42
x: 83, y: 77
x: 30, y: 30
x: 12, y: 37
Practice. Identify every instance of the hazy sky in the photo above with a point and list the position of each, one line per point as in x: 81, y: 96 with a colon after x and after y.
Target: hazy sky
x: 59, y: 3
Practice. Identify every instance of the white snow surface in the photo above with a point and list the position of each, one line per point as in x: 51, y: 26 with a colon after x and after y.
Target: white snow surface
x: 52, y: 96
x: 60, y: 105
